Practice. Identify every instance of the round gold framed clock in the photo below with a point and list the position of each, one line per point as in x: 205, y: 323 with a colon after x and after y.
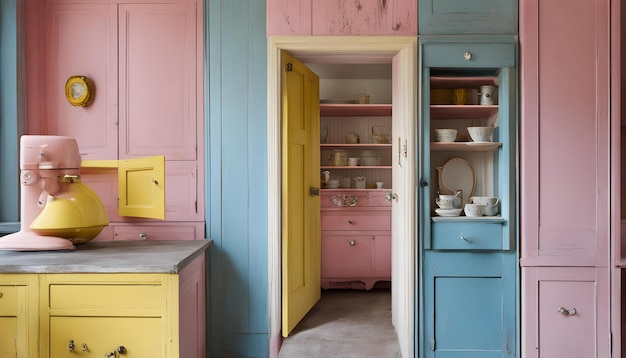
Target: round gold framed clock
x: 79, y: 90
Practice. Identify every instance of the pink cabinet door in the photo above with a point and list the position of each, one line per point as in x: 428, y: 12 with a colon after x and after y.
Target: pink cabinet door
x: 565, y: 311
x: 381, y: 253
x: 157, y: 80
x: 565, y: 132
x: 81, y: 39
x: 341, y: 17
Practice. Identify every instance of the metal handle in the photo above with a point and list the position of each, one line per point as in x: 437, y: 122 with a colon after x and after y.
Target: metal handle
x: 467, y: 56
x: 566, y: 312
x: 143, y: 236
x: 462, y: 237
x: 70, y: 346
x: 314, y: 191
x: 350, y: 221
x: 352, y: 242
x: 120, y: 350
x: 391, y: 196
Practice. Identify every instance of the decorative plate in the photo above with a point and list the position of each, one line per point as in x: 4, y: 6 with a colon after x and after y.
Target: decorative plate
x: 457, y: 174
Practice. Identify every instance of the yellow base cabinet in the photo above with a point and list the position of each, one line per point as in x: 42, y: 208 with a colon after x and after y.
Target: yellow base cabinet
x: 106, y: 312
x: 18, y: 315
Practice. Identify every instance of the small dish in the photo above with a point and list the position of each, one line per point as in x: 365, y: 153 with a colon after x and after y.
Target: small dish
x: 448, y: 212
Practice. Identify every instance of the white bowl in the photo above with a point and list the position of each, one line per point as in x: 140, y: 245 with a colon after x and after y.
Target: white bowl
x: 445, y: 135
x: 474, y: 210
x: 481, y: 134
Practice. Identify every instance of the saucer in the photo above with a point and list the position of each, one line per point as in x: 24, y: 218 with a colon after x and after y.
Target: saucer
x: 448, y: 212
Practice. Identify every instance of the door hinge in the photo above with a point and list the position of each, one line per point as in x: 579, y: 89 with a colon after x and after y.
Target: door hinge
x: 289, y: 67
x: 431, y: 342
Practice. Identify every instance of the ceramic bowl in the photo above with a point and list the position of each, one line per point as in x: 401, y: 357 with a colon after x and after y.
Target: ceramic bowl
x: 448, y: 212
x: 484, y: 200
x: 480, y: 134
x: 474, y: 210
x: 490, y: 210
x: 445, y: 135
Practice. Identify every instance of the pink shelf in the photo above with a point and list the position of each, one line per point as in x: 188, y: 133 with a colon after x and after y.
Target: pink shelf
x: 355, y: 109
x: 356, y: 167
x: 354, y: 146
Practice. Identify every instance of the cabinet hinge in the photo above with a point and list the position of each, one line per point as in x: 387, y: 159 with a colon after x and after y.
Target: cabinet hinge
x: 289, y: 67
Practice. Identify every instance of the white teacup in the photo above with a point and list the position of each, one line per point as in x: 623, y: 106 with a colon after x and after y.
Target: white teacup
x: 474, y: 209
x: 484, y: 200
x: 445, y: 203
x: 456, y: 200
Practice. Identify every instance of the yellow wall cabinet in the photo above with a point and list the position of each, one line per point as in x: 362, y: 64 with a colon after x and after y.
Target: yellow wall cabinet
x: 104, y: 314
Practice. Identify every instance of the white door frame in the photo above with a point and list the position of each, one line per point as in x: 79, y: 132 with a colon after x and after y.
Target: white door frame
x: 337, y: 50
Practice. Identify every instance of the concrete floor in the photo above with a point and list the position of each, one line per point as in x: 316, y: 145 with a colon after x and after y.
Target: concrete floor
x: 345, y: 324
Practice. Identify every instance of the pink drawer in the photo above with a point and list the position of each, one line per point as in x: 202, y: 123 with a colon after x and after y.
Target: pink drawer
x: 340, y: 198
x: 346, y: 255
x: 356, y: 220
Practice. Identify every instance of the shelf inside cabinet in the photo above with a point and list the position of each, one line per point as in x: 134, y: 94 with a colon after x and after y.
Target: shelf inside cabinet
x: 354, y: 146
x: 491, y: 219
x: 356, y: 167
x: 452, y: 111
x: 462, y: 81
x: 355, y: 109
x: 464, y: 146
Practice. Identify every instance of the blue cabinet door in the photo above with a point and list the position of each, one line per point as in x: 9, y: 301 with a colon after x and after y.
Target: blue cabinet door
x: 463, y: 17
x: 469, y: 305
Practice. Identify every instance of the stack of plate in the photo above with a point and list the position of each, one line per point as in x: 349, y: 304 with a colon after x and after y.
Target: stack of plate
x: 448, y: 212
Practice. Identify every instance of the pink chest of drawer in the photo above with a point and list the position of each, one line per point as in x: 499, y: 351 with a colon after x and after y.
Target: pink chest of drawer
x: 356, y: 220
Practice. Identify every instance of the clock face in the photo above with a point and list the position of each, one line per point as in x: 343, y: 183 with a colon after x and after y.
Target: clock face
x: 79, y: 90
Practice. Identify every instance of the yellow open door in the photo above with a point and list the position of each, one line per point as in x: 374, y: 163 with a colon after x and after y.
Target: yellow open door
x: 301, y: 236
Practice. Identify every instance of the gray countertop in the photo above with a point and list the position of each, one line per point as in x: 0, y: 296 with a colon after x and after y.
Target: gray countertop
x: 107, y: 257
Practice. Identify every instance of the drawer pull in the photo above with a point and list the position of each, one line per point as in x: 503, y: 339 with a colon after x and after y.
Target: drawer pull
x: 465, y: 239
x: 70, y: 346
x: 352, y: 242
x: 143, y: 236
x: 566, y: 312
x: 467, y: 56
x: 84, y: 347
x: 350, y: 221
x: 120, y: 350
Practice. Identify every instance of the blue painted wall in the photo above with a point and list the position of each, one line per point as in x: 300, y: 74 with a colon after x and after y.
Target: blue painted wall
x: 236, y: 168
x: 236, y: 144
x: 9, y: 130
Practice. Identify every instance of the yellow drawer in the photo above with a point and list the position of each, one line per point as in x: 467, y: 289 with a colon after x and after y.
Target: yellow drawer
x: 104, y: 299
x: 8, y: 300
x: 98, y: 336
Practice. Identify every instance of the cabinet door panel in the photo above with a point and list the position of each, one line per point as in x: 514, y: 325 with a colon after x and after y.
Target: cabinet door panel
x: 565, y: 229
x: 550, y: 332
x: 157, y: 80
x: 381, y: 252
x: 81, y: 39
x: 470, y: 304
x: 142, y: 337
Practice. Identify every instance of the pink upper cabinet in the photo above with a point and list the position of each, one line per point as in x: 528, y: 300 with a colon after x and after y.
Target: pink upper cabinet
x: 332, y: 17
x: 565, y: 132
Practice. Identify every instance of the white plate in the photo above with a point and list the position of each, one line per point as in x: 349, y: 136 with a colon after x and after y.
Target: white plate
x: 457, y: 174
x: 448, y: 212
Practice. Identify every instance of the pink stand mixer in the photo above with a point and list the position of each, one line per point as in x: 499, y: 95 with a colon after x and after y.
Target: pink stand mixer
x: 57, y: 209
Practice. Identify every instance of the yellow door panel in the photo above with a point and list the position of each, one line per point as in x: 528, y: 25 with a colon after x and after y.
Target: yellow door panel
x: 301, y: 237
x: 141, y: 187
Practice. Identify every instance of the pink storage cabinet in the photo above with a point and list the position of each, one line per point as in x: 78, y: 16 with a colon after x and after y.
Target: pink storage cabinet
x: 565, y: 168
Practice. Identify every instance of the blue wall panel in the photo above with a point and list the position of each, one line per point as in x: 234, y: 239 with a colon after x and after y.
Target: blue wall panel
x: 9, y: 122
x: 237, y: 177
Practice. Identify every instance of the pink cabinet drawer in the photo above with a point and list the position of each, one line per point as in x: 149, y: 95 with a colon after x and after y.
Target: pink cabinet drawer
x: 346, y: 254
x: 355, y: 221
x: 353, y: 199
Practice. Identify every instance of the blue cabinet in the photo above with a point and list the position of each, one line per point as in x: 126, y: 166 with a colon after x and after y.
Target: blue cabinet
x: 468, y: 268
x: 463, y: 17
